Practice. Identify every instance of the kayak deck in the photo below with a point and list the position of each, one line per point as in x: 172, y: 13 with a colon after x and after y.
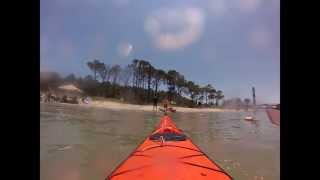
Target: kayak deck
x: 168, y: 158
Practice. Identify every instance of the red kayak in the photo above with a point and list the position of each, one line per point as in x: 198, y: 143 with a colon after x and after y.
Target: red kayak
x: 168, y: 154
x: 274, y: 116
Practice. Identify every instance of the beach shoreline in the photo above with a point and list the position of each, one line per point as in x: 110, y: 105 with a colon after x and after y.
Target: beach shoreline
x: 107, y: 104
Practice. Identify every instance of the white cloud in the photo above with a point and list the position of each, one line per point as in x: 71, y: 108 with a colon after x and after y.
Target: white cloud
x: 125, y: 49
x: 172, y: 29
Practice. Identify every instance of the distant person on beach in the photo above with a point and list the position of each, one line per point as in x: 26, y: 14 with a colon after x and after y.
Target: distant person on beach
x: 166, y: 107
x: 199, y: 104
x: 64, y: 99
x: 165, y: 103
x: 48, y: 97
x: 41, y: 97
x: 155, y: 102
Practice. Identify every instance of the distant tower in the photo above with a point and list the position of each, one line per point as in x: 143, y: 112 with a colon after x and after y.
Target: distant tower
x: 254, y: 96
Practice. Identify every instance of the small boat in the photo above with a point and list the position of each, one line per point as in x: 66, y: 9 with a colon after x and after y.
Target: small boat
x: 249, y: 118
x: 168, y: 154
x: 170, y: 109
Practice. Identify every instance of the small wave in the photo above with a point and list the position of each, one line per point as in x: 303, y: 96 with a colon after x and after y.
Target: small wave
x: 65, y: 148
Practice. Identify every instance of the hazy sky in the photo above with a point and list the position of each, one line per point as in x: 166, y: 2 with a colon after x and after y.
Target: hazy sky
x: 232, y: 44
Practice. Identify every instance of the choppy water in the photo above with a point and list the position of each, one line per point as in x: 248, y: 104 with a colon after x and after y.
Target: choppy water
x: 82, y: 143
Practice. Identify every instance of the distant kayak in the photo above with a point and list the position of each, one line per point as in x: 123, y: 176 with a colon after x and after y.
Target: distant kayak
x: 168, y: 154
x: 172, y: 110
x: 169, y: 109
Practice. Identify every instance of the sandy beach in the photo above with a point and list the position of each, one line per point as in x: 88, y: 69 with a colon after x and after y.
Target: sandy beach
x: 125, y: 106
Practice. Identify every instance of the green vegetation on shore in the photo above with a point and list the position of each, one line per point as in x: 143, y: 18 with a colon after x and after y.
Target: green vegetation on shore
x: 137, y: 83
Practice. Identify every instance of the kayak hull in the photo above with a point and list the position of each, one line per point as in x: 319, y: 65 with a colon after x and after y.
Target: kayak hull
x: 162, y: 159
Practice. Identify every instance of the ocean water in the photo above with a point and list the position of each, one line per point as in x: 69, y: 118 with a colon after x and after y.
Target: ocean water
x: 85, y: 143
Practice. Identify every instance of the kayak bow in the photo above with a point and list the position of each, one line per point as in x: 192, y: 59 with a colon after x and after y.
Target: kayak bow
x: 168, y: 154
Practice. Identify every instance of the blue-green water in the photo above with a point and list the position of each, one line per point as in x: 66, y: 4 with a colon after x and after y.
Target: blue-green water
x: 85, y: 143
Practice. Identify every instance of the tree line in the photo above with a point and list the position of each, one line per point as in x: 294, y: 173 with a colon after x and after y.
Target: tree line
x: 139, y: 81
x: 145, y: 80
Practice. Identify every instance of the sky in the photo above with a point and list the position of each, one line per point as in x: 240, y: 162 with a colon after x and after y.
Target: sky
x: 231, y: 44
